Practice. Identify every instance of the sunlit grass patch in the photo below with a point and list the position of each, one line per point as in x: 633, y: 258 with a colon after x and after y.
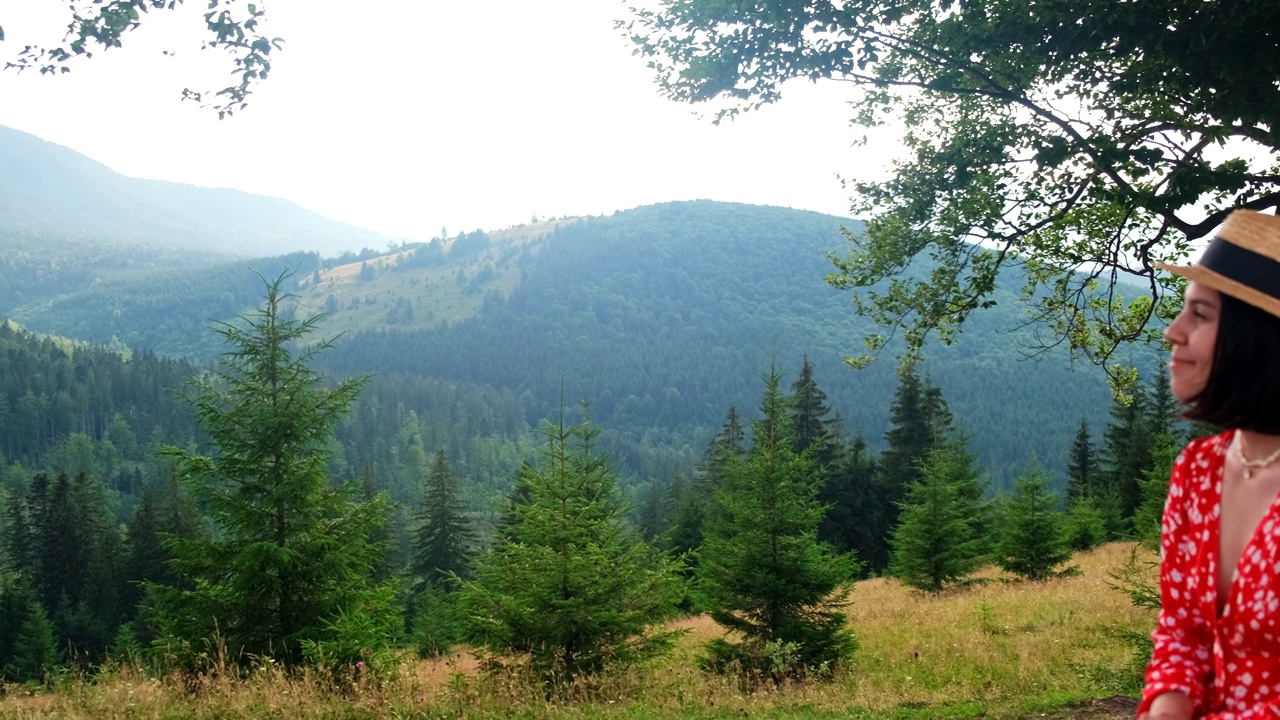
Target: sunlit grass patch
x: 993, y: 641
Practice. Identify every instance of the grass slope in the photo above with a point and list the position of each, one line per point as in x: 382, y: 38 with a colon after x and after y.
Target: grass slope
x: 999, y: 650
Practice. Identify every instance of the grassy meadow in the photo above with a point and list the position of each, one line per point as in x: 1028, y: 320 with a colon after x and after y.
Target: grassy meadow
x: 995, y: 649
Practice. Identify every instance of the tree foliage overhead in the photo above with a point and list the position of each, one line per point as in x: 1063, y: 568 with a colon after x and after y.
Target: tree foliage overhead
x: 1083, y: 136
x: 97, y: 26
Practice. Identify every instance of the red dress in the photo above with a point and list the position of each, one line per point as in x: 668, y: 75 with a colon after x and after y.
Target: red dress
x: 1228, y: 665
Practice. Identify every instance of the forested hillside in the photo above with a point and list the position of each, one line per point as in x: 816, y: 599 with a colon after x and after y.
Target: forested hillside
x: 166, y: 310
x: 38, y: 266
x: 660, y: 317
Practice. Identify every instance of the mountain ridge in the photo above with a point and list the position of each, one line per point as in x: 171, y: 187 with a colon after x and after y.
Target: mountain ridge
x: 661, y: 317
x: 47, y: 188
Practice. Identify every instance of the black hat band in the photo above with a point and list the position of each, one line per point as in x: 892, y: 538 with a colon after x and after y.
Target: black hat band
x: 1242, y: 265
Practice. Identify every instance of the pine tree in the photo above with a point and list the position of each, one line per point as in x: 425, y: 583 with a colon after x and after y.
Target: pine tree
x: 937, y: 541
x: 1033, y: 543
x: 1162, y: 411
x: 809, y: 419
x: 855, y: 520
x: 568, y: 582
x: 1155, y: 488
x: 765, y: 575
x: 17, y: 598
x: 19, y: 542
x: 918, y: 419
x: 35, y: 650
x: 1128, y: 455
x: 286, y: 575
x: 688, y: 512
x: 77, y: 557
x: 724, y: 447
x: 1086, y: 528
x: 1082, y: 473
x: 444, y: 543
x: 652, y: 522
x: 162, y: 512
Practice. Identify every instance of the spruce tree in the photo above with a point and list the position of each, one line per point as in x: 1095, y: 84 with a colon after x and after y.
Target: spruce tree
x: 652, y: 521
x: 162, y: 512
x: 286, y: 575
x: 1082, y: 473
x: 688, y: 507
x: 1033, y: 542
x: 812, y: 427
x: 35, y: 650
x: 724, y: 448
x: 1155, y: 489
x: 918, y: 419
x: 17, y: 598
x: 839, y: 470
x: 765, y: 575
x: 691, y: 503
x: 568, y: 581
x: 855, y: 520
x: 443, y: 543
x: 1086, y: 528
x: 19, y: 542
x: 1128, y: 454
x: 443, y: 548
x: 937, y: 540
x: 393, y: 559
x: 77, y: 557
x: 1162, y: 410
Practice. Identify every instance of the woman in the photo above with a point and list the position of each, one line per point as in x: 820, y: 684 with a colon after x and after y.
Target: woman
x: 1217, y: 643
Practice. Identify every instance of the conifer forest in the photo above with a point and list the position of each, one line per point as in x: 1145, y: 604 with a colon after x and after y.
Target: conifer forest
x: 655, y: 457
x: 325, y: 502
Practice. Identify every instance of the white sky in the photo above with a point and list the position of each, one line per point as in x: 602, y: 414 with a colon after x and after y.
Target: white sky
x: 408, y: 116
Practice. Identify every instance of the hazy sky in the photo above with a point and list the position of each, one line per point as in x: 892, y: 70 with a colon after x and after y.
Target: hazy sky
x: 406, y: 117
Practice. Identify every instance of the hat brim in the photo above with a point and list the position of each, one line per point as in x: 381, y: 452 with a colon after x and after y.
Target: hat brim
x: 1226, y: 285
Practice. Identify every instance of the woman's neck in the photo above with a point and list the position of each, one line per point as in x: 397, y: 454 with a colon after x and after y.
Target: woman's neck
x: 1257, y: 446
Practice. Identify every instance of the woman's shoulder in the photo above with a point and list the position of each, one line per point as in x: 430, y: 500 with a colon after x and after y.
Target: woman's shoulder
x: 1215, y: 443
x: 1205, y: 451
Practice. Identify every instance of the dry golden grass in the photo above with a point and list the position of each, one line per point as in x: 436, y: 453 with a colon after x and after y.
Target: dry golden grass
x: 997, y: 649
x: 995, y: 641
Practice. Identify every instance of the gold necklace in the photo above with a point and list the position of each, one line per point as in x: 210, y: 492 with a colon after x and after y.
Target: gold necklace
x: 1251, y: 465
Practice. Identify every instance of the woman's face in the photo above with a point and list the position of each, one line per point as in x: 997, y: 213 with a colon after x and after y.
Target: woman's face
x: 1193, y: 336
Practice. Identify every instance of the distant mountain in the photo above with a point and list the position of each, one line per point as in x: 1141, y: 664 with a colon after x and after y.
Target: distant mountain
x: 47, y: 190
x: 660, y: 317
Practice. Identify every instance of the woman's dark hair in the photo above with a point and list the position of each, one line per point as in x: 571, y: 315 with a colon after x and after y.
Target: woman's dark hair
x: 1243, y: 390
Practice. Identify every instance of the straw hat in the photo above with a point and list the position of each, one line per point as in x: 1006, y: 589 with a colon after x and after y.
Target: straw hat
x: 1242, y: 260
